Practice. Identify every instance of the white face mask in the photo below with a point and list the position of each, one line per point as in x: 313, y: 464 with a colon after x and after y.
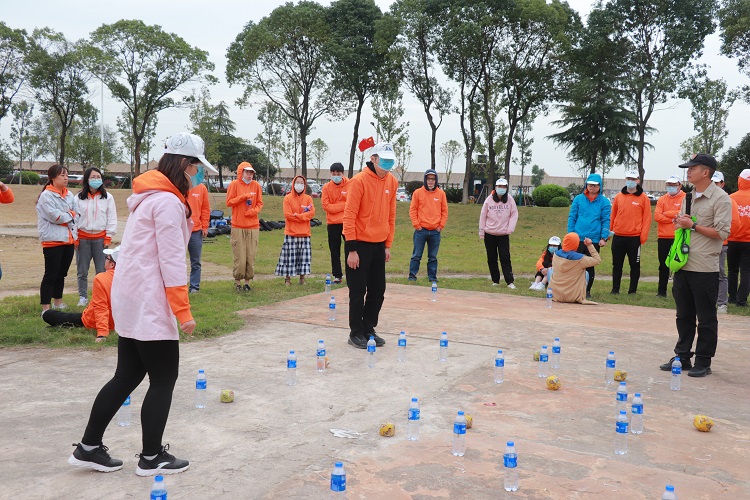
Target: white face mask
x: 299, y: 187
x: 500, y: 191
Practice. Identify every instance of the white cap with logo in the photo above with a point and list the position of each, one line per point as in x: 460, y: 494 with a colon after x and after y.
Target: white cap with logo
x: 717, y: 177
x: 502, y: 181
x: 384, y: 150
x: 672, y: 179
x: 632, y: 174
x: 112, y: 252
x: 188, y: 145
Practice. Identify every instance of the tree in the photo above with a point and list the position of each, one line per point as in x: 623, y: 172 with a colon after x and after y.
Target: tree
x: 45, y: 130
x: 142, y: 66
x: 270, y: 117
x: 58, y: 79
x: 12, y: 66
x: 734, y: 161
x: 86, y: 146
x: 256, y: 157
x: 524, y: 140
x: 283, y: 58
x: 449, y: 150
x: 735, y: 34
x: 291, y: 147
x: 319, y: 153
x: 19, y: 132
x: 662, y: 38
x: 537, y: 176
x: 711, y: 102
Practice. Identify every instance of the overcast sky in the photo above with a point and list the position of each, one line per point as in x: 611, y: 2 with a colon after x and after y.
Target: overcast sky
x: 212, y: 26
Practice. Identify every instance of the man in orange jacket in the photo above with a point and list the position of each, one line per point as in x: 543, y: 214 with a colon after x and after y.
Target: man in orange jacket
x: 200, y: 207
x: 630, y: 221
x: 428, y: 213
x: 369, y: 228
x: 667, y: 208
x: 738, y: 249
x: 333, y: 200
x: 245, y: 198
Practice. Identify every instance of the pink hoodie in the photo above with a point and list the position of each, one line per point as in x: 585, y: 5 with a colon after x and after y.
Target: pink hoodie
x: 498, y: 219
x: 150, y: 285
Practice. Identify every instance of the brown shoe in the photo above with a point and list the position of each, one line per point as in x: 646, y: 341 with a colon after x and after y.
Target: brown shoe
x: 301, y: 280
x: 287, y: 281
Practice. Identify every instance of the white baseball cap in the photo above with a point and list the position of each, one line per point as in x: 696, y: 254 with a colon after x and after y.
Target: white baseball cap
x: 502, y: 181
x: 188, y: 145
x: 555, y: 240
x: 717, y: 177
x: 383, y: 150
x: 112, y: 252
x: 745, y: 174
x: 632, y: 174
x: 672, y: 179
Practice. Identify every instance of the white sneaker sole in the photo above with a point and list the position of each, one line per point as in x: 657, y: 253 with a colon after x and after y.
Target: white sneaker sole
x: 91, y: 465
x: 156, y: 472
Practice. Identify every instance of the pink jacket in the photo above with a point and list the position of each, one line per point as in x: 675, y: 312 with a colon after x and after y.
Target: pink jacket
x: 498, y: 219
x: 150, y: 285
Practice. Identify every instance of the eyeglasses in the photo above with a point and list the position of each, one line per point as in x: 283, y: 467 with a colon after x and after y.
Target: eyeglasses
x: 110, y: 259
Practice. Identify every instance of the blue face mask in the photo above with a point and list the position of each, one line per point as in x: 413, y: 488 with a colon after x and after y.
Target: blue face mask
x: 95, y: 183
x: 552, y: 249
x: 501, y: 191
x: 630, y: 184
x: 386, y: 164
x: 336, y: 179
x: 673, y: 190
x: 198, y: 177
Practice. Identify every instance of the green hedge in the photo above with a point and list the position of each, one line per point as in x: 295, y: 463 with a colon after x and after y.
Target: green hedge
x: 454, y: 195
x: 544, y: 194
x: 560, y: 201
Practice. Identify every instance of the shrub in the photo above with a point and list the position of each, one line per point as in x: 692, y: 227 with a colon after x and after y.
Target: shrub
x: 454, y: 195
x: 412, y: 186
x: 544, y: 194
x: 559, y: 201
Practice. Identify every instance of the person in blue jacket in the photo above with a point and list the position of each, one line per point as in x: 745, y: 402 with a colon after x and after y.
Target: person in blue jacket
x: 589, y: 218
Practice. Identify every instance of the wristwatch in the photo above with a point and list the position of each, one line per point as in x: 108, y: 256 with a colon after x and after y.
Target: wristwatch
x: 694, y: 225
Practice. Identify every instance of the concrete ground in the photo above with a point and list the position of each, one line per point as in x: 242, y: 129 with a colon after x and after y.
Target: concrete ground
x: 275, y: 441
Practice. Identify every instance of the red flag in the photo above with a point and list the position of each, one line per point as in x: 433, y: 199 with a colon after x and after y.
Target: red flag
x: 366, y: 143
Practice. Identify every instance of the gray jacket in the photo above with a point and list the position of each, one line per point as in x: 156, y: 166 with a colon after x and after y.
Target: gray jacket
x: 54, y: 218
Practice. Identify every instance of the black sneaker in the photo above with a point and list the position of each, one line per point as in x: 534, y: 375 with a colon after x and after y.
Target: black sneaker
x: 246, y: 288
x: 162, y: 463
x: 336, y: 281
x: 686, y: 364
x: 588, y: 295
x: 699, y: 371
x: 358, y: 341
x: 379, y: 341
x: 97, y: 459
x: 238, y: 288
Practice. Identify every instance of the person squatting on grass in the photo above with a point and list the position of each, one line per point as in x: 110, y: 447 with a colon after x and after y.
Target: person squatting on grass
x: 245, y: 198
x: 541, y: 279
x: 631, y: 221
x: 333, y: 199
x: 569, y: 274
x: 296, y: 251
x: 201, y: 215
x: 497, y: 221
x: 369, y: 228
x: 96, y: 220
x: 148, y: 291
x: 589, y: 217
x: 738, y: 250
x: 723, y: 299
x: 98, y: 313
x: 429, y: 213
x: 667, y: 208
x: 56, y: 215
x: 6, y: 196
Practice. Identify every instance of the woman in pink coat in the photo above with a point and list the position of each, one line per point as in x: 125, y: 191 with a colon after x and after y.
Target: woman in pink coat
x: 149, y: 291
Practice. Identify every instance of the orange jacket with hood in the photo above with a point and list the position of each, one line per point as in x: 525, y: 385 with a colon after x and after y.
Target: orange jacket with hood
x: 370, y: 213
x: 245, y: 200
x: 333, y: 200
x: 298, y: 210
x: 98, y: 314
x: 667, y: 208
x: 741, y: 232
x: 200, y: 207
x: 429, y: 209
x: 631, y: 214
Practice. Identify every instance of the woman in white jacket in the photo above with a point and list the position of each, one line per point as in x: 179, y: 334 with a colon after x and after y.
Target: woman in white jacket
x: 497, y: 221
x: 96, y: 219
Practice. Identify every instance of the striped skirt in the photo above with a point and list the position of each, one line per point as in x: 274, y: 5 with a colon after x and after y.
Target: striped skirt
x: 296, y: 256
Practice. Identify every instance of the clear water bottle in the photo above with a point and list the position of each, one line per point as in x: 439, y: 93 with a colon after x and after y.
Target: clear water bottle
x: 621, y: 434
x: 434, y: 291
x: 459, y: 435
x: 332, y: 309
x: 499, y: 366
x: 609, y: 374
x: 123, y: 414
x: 159, y: 489
x: 636, y: 417
x: 201, y: 399
x: 443, y: 356
x: 338, y: 481
x: 371, y: 352
x: 549, y: 297
x: 555, y: 361
x: 510, y: 462
x: 291, y: 368
x: 543, y: 362
x: 321, y: 357
x: 621, y: 399
x: 328, y: 283
x: 412, y: 429
x: 402, y: 346
x: 669, y: 493
x: 674, y: 384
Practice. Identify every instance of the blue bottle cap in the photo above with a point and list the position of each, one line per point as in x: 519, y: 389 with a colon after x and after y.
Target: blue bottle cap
x: 319, y: 341
x: 544, y: 347
x: 339, y: 464
x: 159, y: 478
x: 291, y: 352
x: 557, y: 338
x: 499, y: 351
x: 511, y: 443
x: 403, y: 333
x: 414, y: 400
x: 372, y: 337
x: 611, y: 352
x: 460, y: 412
x: 670, y: 487
x: 622, y: 412
x: 638, y: 394
x: 201, y: 371
x: 622, y: 384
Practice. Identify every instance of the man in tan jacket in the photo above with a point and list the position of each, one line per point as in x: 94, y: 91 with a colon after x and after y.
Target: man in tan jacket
x: 568, y: 276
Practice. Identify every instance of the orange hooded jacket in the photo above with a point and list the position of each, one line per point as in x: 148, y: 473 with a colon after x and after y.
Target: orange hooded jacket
x: 98, y: 314
x: 333, y: 200
x: 631, y: 214
x: 742, y: 231
x: 428, y: 209
x: 245, y: 200
x: 298, y: 210
x: 7, y: 196
x: 667, y: 208
x: 200, y: 207
x: 370, y: 213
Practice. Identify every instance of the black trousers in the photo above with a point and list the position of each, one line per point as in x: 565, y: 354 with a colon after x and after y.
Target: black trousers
x: 56, y: 264
x: 498, y: 247
x: 662, y: 249
x: 738, y: 270
x: 695, y: 296
x: 59, y: 318
x: 622, y: 246
x: 135, y: 358
x: 335, y: 235
x: 591, y: 270
x: 366, y: 288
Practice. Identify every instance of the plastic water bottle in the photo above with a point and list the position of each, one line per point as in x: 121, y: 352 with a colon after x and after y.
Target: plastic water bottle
x: 321, y: 353
x: 621, y: 436
x: 499, y: 366
x: 402, y: 346
x: 371, y: 352
x: 510, y: 462
x: 549, y: 298
x: 328, y: 283
x: 621, y: 400
x: 412, y: 429
x: 674, y: 384
x: 159, y: 489
x: 543, y: 362
x: 636, y: 417
x: 443, y: 356
x: 332, y: 309
x: 123, y: 414
x: 291, y: 368
x: 669, y: 493
x: 555, y: 353
x: 459, y: 435
x: 609, y: 374
x: 201, y: 398
x: 434, y: 291
x: 338, y: 481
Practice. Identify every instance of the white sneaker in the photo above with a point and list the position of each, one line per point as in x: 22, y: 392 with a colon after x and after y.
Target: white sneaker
x: 83, y: 302
x: 511, y: 286
x: 61, y: 307
x: 722, y: 309
x: 533, y: 286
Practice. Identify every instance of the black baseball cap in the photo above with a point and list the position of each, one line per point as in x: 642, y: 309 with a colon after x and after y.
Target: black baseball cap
x: 700, y: 159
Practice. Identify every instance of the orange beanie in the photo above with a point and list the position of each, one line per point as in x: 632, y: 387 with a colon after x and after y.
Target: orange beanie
x: 570, y: 242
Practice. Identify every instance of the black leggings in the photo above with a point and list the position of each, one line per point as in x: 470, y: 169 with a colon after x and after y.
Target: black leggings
x: 56, y: 264
x: 135, y: 358
x: 629, y: 246
x: 59, y: 318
